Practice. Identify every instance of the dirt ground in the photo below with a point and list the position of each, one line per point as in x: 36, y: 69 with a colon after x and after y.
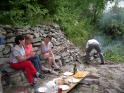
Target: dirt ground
x: 108, y: 78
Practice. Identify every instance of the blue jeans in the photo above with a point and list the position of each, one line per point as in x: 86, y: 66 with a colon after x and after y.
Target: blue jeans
x: 36, y: 62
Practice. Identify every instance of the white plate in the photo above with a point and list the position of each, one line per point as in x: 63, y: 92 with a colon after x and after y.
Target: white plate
x: 73, y: 80
x: 42, y: 89
x: 68, y: 73
x: 64, y: 87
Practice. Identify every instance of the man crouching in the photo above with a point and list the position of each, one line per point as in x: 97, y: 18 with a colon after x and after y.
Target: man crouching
x: 93, y: 44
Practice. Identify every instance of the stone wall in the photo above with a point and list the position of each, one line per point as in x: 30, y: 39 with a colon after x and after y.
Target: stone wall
x: 63, y: 48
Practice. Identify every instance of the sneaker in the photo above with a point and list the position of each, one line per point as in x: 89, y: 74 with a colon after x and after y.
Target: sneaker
x: 41, y: 76
x: 35, y: 80
x: 54, y: 72
x: 102, y: 63
x: 33, y: 85
x: 56, y: 69
x: 87, y: 63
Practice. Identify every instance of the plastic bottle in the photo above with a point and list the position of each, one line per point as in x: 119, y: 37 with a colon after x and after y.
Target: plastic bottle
x: 59, y: 90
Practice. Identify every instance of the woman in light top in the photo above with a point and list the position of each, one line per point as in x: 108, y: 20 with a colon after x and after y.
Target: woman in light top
x: 46, y: 52
x: 19, y: 61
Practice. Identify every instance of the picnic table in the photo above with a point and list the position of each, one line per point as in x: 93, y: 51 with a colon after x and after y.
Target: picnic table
x: 67, y: 81
x: 64, y: 80
x: 72, y: 85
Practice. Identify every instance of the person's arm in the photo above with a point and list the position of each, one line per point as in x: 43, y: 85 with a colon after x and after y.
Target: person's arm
x: 87, y: 45
x: 51, y: 48
x: 21, y: 58
x: 42, y: 48
x: 18, y: 56
x: 32, y: 53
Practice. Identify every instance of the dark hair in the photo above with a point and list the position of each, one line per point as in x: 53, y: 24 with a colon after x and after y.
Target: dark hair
x: 19, y: 38
x: 49, y: 36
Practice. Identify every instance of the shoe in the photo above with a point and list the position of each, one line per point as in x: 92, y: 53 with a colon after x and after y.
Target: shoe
x: 87, y: 63
x: 41, y: 76
x: 56, y: 69
x: 33, y: 85
x: 102, y: 63
x: 46, y: 71
x: 54, y: 72
x: 34, y: 82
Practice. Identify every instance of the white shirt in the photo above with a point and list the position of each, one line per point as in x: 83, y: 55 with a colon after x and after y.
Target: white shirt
x: 92, y: 41
x: 47, y: 47
x: 16, y: 51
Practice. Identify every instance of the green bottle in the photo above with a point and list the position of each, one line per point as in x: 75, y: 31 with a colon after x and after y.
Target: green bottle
x: 75, y: 68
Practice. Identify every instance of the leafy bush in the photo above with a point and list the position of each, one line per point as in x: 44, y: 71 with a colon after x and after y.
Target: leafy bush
x: 23, y: 12
x: 74, y: 20
x: 74, y: 17
x: 113, y: 50
x: 112, y: 22
x: 114, y: 56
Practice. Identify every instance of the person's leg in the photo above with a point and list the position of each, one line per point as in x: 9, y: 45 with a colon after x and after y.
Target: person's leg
x: 28, y: 67
x: 39, y: 62
x: 101, y: 57
x: 50, y: 62
x: 97, y: 47
x: 36, y: 62
x: 39, y: 66
x: 88, y: 50
x: 53, y: 62
x: 47, y: 56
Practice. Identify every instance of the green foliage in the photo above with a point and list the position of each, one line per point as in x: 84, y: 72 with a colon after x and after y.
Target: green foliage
x: 23, y: 12
x: 114, y: 56
x: 75, y: 18
x: 113, y: 50
x: 112, y: 22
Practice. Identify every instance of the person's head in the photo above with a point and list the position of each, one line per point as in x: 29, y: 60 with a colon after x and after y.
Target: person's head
x: 20, y: 40
x: 28, y: 39
x: 48, y: 38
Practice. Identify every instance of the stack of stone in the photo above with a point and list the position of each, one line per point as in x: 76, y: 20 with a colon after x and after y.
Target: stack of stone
x: 63, y: 48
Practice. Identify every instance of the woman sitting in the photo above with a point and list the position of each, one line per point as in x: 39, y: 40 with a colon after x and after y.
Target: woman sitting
x: 31, y: 55
x: 46, y: 52
x: 19, y: 61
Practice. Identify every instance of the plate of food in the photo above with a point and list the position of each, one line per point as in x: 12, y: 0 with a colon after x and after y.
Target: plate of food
x: 81, y: 74
x: 59, y: 81
x: 64, y: 87
x: 41, y: 90
x: 68, y: 73
x: 73, y: 80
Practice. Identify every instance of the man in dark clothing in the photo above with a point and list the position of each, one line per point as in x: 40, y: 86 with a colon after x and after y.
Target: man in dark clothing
x: 93, y: 44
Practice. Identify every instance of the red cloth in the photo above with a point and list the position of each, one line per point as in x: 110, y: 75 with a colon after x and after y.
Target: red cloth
x: 28, y: 67
x: 28, y: 50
